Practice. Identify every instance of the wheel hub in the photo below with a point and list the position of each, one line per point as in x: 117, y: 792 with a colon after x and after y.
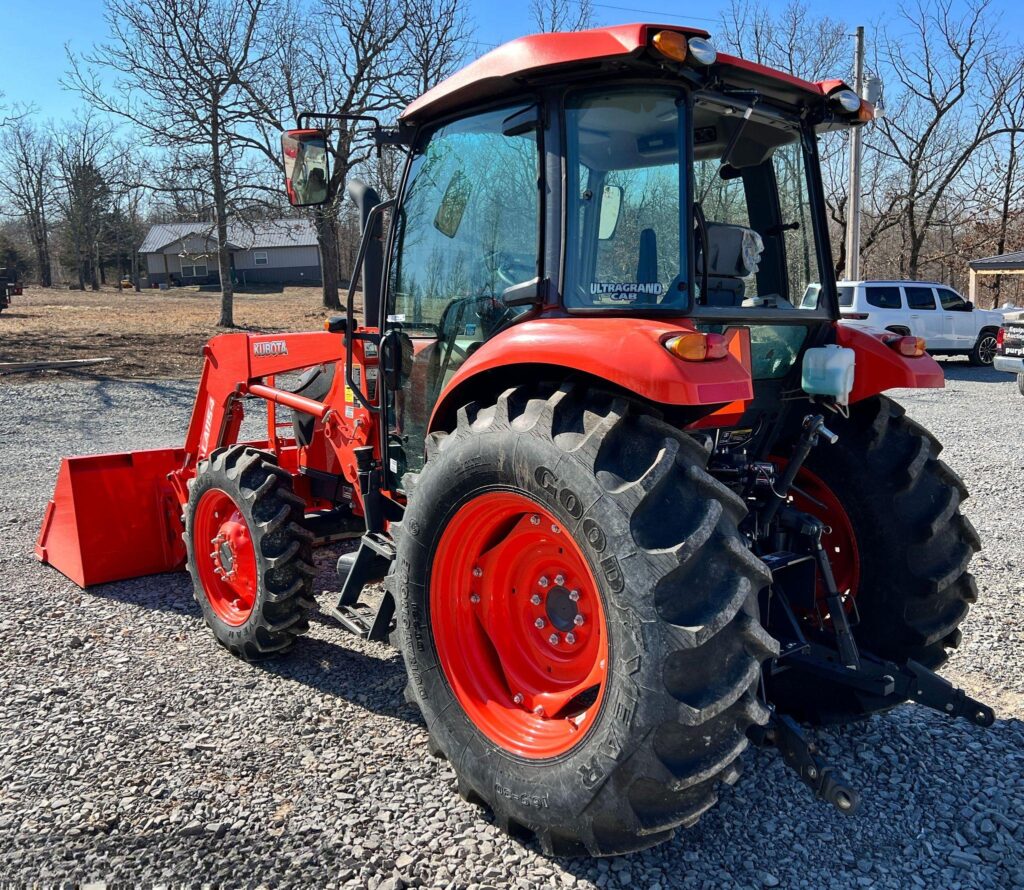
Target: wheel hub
x: 561, y: 610
x: 227, y: 558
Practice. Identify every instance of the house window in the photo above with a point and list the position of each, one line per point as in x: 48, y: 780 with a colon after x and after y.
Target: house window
x: 193, y: 269
x: 259, y: 258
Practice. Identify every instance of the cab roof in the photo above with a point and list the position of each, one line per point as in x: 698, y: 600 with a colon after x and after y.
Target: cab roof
x: 515, y: 64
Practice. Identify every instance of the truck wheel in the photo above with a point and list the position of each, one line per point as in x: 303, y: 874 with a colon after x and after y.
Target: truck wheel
x: 1020, y: 383
x: 984, y: 350
x: 578, y: 617
x: 247, y: 552
x: 898, y: 543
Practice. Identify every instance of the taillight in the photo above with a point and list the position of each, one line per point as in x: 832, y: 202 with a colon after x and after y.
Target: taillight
x: 694, y: 346
x: 1000, y: 336
x: 857, y: 316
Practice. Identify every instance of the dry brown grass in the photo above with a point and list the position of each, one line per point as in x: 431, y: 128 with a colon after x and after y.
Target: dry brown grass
x: 149, y: 334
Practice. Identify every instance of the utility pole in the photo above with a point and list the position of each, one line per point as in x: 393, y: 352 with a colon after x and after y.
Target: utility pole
x: 853, y: 211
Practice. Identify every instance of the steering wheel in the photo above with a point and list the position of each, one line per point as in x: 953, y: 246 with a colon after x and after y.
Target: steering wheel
x: 510, y: 268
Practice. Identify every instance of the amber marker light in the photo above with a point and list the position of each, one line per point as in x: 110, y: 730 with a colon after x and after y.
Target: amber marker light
x: 911, y: 347
x: 694, y: 346
x: 671, y: 44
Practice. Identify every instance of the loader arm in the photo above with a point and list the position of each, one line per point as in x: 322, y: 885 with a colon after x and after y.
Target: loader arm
x: 118, y: 516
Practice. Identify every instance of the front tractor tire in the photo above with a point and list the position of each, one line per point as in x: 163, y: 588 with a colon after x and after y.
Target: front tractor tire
x: 248, y: 553
x: 898, y: 543
x: 578, y: 616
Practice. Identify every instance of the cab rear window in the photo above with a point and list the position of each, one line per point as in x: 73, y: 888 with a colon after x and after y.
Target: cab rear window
x: 884, y: 297
x: 845, y: 296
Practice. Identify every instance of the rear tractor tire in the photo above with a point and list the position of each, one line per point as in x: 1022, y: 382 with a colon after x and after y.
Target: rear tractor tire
x: 578, y: 616
x: 248, y: 553
x: 897, y: 542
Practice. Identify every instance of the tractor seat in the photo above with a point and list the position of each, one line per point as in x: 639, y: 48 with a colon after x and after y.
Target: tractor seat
x: 726, y: 269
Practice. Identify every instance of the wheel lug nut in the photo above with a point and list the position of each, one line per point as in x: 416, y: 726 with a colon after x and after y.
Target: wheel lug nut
x: 478, y: 572
x: 578, y: 620
x: 570, y: 638
x: 542, y: 581
x: 555, y: 528
x: 574, y: 595
x: 559, y: 580
x: 474, y: 598
x: 535, y: 599
x: 518, y: 698
x: 535, y: 519
x: 553, y: 639
x: 538, y: 623
x: 539, y: 710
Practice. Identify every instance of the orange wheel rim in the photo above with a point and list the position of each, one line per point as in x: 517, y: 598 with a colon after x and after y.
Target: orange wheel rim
x: 225, y: 557
x: 518, y: 624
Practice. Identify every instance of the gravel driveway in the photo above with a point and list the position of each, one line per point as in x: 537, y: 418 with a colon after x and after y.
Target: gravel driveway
x: 134, y: 750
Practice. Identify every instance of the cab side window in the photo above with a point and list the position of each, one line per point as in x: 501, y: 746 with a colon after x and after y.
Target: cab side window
x: 469, y: 224
x: 884, y: 297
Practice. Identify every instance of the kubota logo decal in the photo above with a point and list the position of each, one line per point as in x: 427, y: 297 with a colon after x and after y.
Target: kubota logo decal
x: 270, y: 347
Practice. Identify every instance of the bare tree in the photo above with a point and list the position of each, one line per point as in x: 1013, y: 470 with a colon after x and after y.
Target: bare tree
x: 954, y: 76
x: 436, y: 41
x: 27, y: 181
x: 179, y: 72
x: 84, y: 166
x: 562, y: 15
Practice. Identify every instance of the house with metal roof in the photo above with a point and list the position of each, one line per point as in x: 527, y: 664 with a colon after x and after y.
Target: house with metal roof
x: 279, y: 251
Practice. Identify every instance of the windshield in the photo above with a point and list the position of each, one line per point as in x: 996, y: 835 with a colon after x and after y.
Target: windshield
x: 635, y: 218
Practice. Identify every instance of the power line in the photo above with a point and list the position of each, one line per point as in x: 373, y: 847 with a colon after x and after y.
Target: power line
x: 667, y: 15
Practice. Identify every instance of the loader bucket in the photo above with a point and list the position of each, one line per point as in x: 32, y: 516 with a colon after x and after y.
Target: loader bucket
x: 114, y: 516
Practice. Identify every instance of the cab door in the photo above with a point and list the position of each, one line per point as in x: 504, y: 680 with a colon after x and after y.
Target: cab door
x: 467, y: 229
x: 925, y: 319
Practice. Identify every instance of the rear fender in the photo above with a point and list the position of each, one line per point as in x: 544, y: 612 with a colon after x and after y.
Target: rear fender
x: 878, y: 368
x: 625, y: 355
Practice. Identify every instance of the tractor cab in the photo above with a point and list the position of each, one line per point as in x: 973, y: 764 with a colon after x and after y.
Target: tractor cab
x: 632, y: 174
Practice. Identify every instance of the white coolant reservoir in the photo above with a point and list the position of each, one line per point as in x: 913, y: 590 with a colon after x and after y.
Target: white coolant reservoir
x: 828, y: 371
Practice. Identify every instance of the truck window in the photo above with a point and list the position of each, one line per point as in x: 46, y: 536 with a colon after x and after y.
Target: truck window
x: 952, y: 301
x: 920, y: 297
x: 845, y: 296
x: 884, y: 297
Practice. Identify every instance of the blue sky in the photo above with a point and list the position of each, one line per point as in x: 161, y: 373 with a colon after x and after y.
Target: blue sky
x: 35, y: 33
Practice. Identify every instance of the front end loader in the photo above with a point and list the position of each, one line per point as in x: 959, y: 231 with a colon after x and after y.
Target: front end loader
x: 635, y: 505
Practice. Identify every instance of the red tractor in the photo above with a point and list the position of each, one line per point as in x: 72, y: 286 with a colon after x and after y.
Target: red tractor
x: 632, y: 508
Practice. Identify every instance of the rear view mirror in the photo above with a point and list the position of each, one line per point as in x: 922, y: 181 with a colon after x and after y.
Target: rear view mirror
x: 306, y: 169
x: 611, y: 206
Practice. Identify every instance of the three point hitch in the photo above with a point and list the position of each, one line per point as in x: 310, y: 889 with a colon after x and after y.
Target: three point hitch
x: 831, y: 653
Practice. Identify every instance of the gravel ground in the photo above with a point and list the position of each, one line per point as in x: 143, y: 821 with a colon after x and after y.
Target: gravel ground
x: 134, y: 750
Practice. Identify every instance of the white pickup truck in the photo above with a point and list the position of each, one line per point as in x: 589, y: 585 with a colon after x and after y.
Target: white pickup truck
x: 949, y: 324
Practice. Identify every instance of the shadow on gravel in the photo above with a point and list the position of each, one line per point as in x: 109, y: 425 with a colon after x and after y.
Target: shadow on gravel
x: 169, y: 393
x: 170, y: 592
x: 372, y: 683
x: 361, y: 678
x: 971, y: 374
